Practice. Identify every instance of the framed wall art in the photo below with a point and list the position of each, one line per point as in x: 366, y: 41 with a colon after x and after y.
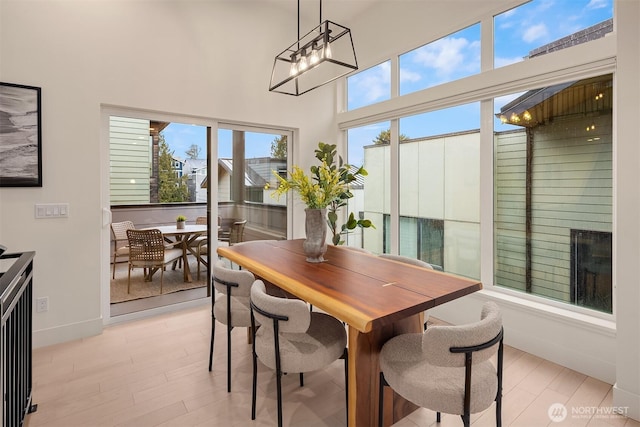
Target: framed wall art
x: 20, y: 136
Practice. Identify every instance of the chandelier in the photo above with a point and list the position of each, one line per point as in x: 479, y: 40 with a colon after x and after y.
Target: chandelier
x: 323, y: 55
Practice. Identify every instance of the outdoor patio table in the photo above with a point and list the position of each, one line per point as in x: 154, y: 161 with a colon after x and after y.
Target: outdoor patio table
x: 185, y: 236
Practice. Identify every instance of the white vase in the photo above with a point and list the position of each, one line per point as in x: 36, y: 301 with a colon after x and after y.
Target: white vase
x: 315, y: 227
x: 180, y: 225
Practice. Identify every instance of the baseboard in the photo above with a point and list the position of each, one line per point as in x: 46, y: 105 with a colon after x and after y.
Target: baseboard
x: 628, y: 401
x: 69, y: 332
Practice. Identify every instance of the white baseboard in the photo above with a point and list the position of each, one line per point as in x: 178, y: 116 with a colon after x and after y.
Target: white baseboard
x: 69, y: 332
x: 629, y: 401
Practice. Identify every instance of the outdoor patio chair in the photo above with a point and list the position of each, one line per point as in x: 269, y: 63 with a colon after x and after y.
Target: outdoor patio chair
x: 119, y: 239
x: 147, y: 249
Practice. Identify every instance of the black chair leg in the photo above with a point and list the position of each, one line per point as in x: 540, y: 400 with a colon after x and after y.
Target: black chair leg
x: 213, y: 331
x: 255, y: 369
x: 438, y: 417
x: 229, y: 358
x: 301, y: 379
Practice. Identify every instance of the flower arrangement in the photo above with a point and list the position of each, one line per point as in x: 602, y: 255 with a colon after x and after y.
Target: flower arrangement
x: 181, y: 218
x: 316, y: 192
x: 328, y: 187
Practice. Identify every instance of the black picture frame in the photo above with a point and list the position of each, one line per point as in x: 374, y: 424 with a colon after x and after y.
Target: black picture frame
x: 20, y: 135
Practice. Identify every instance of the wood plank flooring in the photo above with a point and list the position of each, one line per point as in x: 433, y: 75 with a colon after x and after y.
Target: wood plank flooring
x: 153, y: 372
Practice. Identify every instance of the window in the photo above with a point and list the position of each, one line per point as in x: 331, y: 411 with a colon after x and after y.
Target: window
x: 244, y: 196
x: 449, y: 58
x: 369, y: 86
x: 541, y: 26
x: 149, y: 160
x: 444, y: 197
x: 371, y: 196
x: 553, y: 192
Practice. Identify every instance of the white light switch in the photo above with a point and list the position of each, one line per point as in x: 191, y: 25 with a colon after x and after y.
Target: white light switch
x: 52, y: 210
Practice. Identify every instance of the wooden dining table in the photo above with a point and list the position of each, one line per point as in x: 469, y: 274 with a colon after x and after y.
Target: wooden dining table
x: 184, y: 237
x: 377, y: 298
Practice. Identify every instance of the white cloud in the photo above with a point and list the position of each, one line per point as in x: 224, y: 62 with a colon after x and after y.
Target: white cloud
x: 598, y: 4
x: 445, y: 55
x: 409, y: 76
x: 372, y: 84
x: 535, y: 32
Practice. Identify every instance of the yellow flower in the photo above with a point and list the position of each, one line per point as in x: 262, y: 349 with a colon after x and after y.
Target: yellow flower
x: 317, y: 192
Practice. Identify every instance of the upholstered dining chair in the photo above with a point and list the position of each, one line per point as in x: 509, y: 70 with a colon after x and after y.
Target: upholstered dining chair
x: 292, y: 339
x: 120, y: 240
x: 230, y: 306
x: 447, y: 368
x: 147, y: 250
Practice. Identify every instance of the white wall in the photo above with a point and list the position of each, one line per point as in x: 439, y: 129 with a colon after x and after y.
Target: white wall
x: 212, y: 60
x: 209, y: 60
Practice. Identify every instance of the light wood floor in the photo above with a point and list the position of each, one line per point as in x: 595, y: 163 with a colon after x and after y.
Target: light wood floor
x: 153, y: 372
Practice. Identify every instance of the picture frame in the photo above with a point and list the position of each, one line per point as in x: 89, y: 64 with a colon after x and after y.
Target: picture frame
x: 20, y: 135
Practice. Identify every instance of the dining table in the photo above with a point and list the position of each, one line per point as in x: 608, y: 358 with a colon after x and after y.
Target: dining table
x: 184, y: 238
x: 376, y: 298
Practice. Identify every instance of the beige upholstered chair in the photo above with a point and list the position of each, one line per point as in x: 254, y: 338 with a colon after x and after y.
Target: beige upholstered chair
x: 406, y: 260
x: 119, y: 238
x: 292, y: 339
x: 230, y: 306
x: 447, y: 368
x: 147, y: 250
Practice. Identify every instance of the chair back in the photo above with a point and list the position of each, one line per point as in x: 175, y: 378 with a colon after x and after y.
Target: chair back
x: 407, y: 260
x: 437, y: 341
x: 201, y: 220
x: 237, y: 232
x: 234, y: 282
x: 292, y: 315
x: 119, y: 230
x: 145, y: 246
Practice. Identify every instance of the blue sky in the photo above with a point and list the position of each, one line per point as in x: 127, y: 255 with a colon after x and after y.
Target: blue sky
x: 517, y: 32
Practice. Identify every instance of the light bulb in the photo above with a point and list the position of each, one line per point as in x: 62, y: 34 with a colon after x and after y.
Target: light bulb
x: 303, y: 63
x: 314, y: 57
x: 293, y: 70
x: 327, y: 50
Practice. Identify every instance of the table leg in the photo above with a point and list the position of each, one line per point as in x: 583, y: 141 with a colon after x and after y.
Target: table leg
x: 364, y: 375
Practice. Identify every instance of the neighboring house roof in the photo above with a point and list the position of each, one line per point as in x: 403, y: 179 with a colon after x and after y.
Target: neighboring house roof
x: 521, y: 111
x: 194, y: 164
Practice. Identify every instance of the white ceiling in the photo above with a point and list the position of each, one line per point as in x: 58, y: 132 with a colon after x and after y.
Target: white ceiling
x: 340, y: 11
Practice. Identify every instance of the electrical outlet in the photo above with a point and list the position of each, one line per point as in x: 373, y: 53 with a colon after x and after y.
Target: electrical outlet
x: 42, y: 304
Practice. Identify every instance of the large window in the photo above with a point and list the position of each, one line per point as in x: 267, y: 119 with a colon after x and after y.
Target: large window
x: 369, y: 86
x: 156, y: 162
x: 444, y: 197
x: 553, y: 192
x: 542, y: 173
x: 541, y: 26
x: 369, y: 147
x: 247, y: 159
x: 441, y: 61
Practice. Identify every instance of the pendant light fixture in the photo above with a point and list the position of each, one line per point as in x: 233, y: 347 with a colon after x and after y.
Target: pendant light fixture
x: 323, y: 55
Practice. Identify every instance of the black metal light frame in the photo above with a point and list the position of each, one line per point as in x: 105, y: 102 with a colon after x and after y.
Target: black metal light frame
x: 319, y: 39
